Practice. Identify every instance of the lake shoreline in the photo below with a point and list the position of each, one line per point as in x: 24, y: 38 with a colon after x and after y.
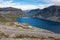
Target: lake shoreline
x: 11, y: 32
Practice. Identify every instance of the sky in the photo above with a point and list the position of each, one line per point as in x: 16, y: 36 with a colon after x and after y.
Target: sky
x: 28, y: 4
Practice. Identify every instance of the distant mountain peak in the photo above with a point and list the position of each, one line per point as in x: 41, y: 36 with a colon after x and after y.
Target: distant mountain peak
x: 50, y: 13
x: 54, y: 6
x: 10, y: 13
x: 9, y: 9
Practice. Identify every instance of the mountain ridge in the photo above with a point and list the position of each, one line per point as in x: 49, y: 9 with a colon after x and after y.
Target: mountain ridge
x: 10, y: 13
x: 49, y: 13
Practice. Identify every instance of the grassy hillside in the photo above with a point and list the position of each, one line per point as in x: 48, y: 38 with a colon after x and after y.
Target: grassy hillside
x: 10, y: 14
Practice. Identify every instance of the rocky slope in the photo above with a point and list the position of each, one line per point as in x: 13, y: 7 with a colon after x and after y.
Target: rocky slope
x: 31, y: 13
x: 11, y: 32
x: 10, y: 14
x: 50, y: 13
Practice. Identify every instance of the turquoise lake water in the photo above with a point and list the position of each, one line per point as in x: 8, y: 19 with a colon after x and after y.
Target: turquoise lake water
x: 41, y: 23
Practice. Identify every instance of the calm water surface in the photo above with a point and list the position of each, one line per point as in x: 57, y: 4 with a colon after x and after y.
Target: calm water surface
x: 41, y: 23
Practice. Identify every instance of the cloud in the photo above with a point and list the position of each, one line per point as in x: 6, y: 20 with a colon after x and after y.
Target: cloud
x: 10, y: 3
x: 54, y: 2
x: 21, y: 5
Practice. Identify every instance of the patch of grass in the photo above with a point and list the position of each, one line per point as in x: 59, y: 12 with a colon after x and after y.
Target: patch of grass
x: 22, y: 36
x: 52, y: 38
x: 3, y: 35
x: 11, y: 24
x: 57, y: 39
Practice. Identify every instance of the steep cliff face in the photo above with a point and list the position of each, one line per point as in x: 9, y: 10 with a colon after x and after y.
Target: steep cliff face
x: 31, y: 13
x: 50, y: 13
x: 10, y: 14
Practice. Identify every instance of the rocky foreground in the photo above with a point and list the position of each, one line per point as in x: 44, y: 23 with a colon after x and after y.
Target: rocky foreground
x: 15, y: 31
